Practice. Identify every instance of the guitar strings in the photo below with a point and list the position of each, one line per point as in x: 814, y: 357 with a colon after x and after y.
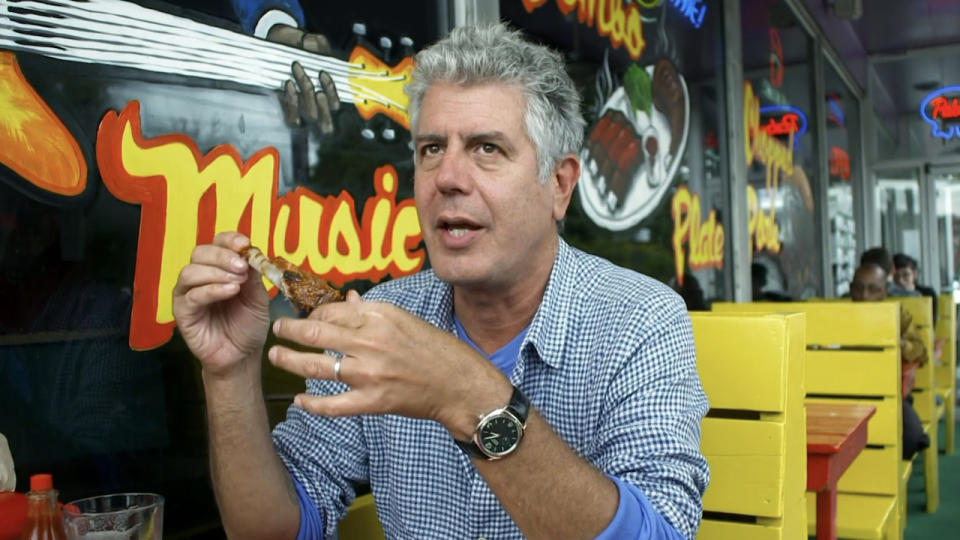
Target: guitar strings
x: 112, y: 32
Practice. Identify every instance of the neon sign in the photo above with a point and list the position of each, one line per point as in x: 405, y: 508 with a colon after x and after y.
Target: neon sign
x: 942, y: 113
x: 839, y: 162
x: 835, y: 110
x: 791, y: 122
x: 693, y: 10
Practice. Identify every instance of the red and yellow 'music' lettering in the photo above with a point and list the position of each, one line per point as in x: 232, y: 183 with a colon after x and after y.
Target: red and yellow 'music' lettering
x: 186, y: 197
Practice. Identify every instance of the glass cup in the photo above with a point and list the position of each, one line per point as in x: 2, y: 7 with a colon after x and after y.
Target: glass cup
x: 121, y: 516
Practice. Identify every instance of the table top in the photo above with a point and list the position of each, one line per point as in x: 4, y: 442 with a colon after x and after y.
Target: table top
x: 830, y: 425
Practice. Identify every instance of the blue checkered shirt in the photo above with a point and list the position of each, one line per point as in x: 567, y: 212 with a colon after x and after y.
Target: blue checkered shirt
x: 608, y: 361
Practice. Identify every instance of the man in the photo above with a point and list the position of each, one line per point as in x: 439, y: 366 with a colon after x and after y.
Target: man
x: 905, y: 275
x: 870, y: 285
x: 882, y: 258
x: 583, y: 373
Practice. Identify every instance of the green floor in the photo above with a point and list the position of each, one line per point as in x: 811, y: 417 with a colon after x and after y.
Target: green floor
x: 945, y: 523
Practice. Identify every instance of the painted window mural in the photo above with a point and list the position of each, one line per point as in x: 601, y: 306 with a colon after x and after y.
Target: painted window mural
x: 780, y: 152
x: 651, y: 194
x: 131, y: 131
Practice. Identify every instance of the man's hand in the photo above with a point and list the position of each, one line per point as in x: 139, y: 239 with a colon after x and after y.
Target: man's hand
x: 221, y: 306
x: 394, y: 362
x: 300, y: 100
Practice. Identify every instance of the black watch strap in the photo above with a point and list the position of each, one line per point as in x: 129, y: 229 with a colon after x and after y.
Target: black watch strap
x: 519, y: 406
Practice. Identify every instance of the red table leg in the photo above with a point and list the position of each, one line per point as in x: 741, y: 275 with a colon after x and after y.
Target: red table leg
x: 827, y: 514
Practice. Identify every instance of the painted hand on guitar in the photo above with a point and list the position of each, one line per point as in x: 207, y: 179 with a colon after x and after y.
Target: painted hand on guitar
x: 301, y: 101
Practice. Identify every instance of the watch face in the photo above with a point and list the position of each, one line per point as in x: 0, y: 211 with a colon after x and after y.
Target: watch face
x: 500, y: 435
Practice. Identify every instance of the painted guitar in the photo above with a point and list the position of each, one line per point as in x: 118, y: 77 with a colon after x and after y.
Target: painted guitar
x: 35, y: 144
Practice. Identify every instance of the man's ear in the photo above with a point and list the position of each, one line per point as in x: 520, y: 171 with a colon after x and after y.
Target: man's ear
x: 563, y: 180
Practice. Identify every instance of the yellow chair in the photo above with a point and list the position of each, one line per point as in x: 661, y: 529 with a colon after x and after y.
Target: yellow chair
x: 853, y: 356
x: 945, y: 369
x: 361, y: 522
x: 754, y: 436
x: 924, y: 395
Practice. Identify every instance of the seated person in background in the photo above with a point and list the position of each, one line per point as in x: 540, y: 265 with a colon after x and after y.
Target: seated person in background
x: 905, y: 275
x: 870, y: 285
x: 758, y: 279
x: 691, y: 292
x: 882, y: 258
x: 581, y: 375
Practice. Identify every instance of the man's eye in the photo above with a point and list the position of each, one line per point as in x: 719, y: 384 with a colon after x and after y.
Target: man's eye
x: 430, y: 149
x: 488, y: 148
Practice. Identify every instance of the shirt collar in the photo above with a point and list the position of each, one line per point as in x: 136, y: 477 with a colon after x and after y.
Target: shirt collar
x: 547, y: 332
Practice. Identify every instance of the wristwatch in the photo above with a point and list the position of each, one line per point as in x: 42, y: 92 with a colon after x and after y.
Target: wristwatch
x: 499, y: 432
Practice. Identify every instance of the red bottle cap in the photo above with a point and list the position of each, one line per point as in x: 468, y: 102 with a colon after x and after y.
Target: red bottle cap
x: 41, y: 482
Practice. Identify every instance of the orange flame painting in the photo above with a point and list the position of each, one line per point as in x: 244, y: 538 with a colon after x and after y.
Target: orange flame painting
x: 34, y: 143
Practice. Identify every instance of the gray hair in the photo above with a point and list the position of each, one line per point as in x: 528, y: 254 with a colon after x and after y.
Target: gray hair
x: 473, y: 55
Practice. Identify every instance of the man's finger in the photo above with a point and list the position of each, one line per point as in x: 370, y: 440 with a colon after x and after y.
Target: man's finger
x: 310, y: 365
x: 349, y: 314
x: 199, y: 275
x: 349, y: 403
x: 313, y: 333
x: 224, y: 258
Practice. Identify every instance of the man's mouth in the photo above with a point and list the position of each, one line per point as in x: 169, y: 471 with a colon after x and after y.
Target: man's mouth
x: 457, y: 228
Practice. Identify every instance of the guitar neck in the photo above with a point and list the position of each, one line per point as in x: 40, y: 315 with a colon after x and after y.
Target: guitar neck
x: 123, y: 34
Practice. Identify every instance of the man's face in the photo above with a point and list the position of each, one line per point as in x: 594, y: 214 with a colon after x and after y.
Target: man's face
x: 869, y: 284
x: 905, y: 277
x: 487, y: 220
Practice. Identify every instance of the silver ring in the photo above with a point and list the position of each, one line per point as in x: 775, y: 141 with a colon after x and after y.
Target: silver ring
x: 336, y: 368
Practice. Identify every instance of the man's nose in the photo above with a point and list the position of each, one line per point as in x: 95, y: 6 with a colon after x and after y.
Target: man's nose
x: 453, y: 174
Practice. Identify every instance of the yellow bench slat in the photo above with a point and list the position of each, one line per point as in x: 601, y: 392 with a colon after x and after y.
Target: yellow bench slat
x: 882, y: 426
x: 741, y: 531
x: 864, y: 474
x: 858, y: 516
x: 855, y: 373
x: 840, y: 323
x: 757, y: 383
x: 733, y: 437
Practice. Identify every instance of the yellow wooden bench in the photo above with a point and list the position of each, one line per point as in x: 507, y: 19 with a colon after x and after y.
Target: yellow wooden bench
x: 924, y: 395
x: 853, y: 356
x: 754, y: 436
x: 945, y: 369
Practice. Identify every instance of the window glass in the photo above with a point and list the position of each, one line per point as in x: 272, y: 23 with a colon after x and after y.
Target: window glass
x: 781, y: 153
x: 125, y: 149
x: 898, y: 209
x: 948, y: 229
x: 652, y: 195
x: 843, y: 164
